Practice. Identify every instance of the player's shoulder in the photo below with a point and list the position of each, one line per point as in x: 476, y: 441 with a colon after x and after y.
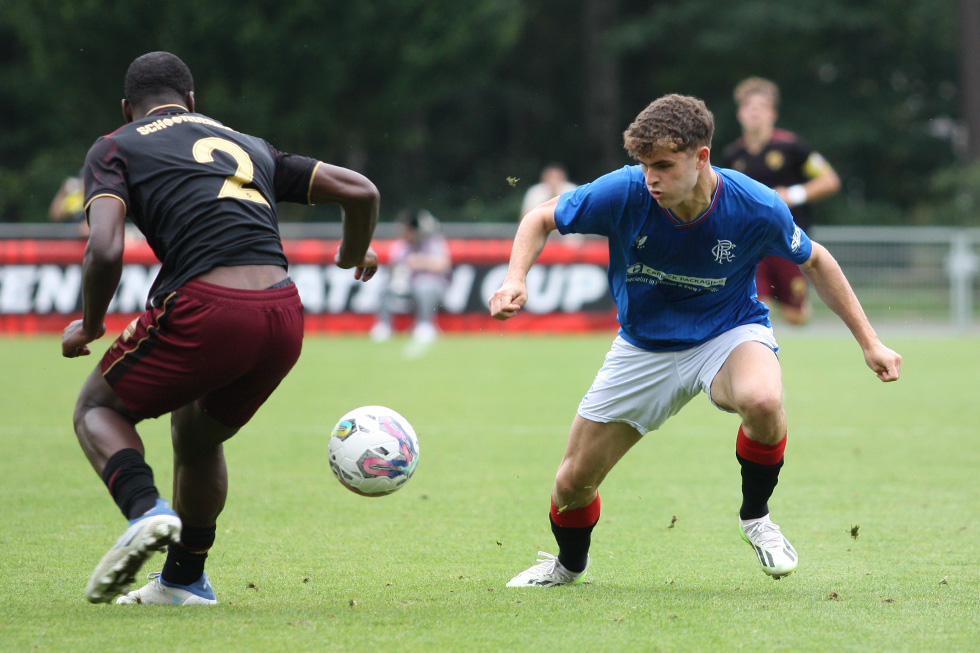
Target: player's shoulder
x: 621, y: 180
x: 784, y: 136
x: 785, y: 139
x: 739, y: 184
x: 104, y: 146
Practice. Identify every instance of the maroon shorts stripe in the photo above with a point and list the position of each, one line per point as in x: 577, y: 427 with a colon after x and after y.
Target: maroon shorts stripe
x: 156, y: 323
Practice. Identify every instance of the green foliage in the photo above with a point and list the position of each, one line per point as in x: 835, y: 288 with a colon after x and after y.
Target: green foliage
x: 301, y: 564
x: 953, y: 197
x: 441, y: 101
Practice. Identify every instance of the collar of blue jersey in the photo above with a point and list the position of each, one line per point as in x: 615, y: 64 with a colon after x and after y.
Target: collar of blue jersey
x: 167, y: 110
x: 714, y: 198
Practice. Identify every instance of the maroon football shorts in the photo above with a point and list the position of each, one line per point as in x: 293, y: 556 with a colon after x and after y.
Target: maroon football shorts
x: 782, y: 280
x: 225, y: 348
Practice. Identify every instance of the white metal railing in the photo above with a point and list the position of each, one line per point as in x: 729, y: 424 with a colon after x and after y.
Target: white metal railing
x: 906, y: 272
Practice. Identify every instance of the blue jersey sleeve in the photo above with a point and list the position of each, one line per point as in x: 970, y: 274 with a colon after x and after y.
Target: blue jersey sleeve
x: 594, y: 208
x: 786, y: 238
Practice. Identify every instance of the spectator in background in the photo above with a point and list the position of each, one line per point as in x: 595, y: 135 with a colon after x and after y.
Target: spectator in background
x: 785, y: 162
x: 419, y: 267
x: 68, y: 204
x: 554, y: 182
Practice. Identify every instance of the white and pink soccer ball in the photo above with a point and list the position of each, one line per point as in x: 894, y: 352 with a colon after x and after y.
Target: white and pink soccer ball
x: 373, y: 451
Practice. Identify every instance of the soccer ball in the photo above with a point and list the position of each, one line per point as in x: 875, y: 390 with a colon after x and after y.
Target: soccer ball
x: 373, y: 451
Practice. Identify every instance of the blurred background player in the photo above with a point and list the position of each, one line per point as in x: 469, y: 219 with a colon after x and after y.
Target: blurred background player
x: 785, y: 162
x: 68, y: 204
x: 554, y: 182
x: 223, y: 323
x: 419, y: 268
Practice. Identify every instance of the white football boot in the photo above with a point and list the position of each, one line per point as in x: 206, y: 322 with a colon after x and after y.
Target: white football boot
x: 151, y: 531
x: 777, y: 555
x: 547, y: 573
x: 160, y: 592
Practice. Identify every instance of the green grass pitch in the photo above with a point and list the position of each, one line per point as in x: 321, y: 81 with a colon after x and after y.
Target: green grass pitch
x: 880, y: 495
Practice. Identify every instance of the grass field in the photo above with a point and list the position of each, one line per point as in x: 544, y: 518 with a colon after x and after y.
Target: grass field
x: 880, y: 495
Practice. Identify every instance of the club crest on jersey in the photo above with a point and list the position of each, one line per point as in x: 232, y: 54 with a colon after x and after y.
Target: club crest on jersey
x: 723, y: 251
x: 797, y: 239
x: 775, y: 159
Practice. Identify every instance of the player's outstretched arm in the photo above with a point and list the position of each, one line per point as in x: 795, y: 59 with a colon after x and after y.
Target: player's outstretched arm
x: 101, y: 269
x: 359, y: 199
x: 531, y: 237
x: 823, y: 182
x: 826, y: 276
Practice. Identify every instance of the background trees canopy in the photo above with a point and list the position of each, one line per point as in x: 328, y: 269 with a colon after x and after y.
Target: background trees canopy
x: 440, y: 101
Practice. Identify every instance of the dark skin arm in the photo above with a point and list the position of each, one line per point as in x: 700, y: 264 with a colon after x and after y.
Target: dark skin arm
x: 101, y: 269
x: 359, y: 199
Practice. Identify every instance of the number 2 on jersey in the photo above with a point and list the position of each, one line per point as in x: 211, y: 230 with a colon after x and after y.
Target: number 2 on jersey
x: 234, y: 185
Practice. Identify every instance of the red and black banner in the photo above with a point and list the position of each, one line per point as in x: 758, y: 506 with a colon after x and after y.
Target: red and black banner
x: 40, y: 286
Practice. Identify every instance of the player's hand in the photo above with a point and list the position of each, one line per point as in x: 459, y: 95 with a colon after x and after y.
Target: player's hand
x: 366, y: 269
x: 884, y: 362
x: 75, y: 339
x: 508, y: 300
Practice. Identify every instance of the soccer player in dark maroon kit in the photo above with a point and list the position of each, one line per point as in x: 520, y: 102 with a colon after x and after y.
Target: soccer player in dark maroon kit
x: 785, y: 162
x: 223, y: 323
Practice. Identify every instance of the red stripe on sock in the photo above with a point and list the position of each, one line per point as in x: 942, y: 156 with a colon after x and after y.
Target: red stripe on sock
x: 757, y: 452
x: 112, y: 479
x: 579, y: 517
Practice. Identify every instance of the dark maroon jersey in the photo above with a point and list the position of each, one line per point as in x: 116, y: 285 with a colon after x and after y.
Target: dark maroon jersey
x: 782, y: 162
x: 203, y: 194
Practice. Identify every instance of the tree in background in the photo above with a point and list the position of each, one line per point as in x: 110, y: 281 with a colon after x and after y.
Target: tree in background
x: 443, y: 102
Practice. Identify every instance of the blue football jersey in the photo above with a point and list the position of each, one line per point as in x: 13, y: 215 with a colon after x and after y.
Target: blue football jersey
x: 675, y: 284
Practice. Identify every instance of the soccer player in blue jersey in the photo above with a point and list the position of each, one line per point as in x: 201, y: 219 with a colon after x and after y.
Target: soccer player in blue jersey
x: 684, y: 242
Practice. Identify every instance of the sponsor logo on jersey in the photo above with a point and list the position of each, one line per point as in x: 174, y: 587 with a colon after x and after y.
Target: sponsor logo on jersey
x: 723, y: 252
x: 640, y: 273
x: 640, y: 242
x: 797, y: 239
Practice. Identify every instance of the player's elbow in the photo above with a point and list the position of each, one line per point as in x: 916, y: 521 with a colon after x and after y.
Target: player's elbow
x: 104, y: 249
x: 103, y: 258
x: 832, y: 182
x: 364, y: 193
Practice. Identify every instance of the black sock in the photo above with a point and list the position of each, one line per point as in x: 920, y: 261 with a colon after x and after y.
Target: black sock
x: 573, y: 545
x: 185, y: 560
x: 130, y: 482
x: 758, y: 482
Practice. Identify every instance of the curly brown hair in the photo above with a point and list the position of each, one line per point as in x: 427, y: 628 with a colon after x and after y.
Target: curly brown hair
x: 676, y: 122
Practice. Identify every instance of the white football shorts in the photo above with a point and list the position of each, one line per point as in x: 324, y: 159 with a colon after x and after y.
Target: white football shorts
x: 644, y: 388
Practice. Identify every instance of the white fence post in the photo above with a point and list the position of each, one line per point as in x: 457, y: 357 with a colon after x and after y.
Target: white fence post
x: 962, y: 265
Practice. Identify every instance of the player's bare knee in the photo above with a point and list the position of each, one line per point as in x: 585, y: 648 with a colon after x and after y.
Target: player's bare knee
x: 86, y: 404
x: 762, y: 408
x: 574, y: 488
